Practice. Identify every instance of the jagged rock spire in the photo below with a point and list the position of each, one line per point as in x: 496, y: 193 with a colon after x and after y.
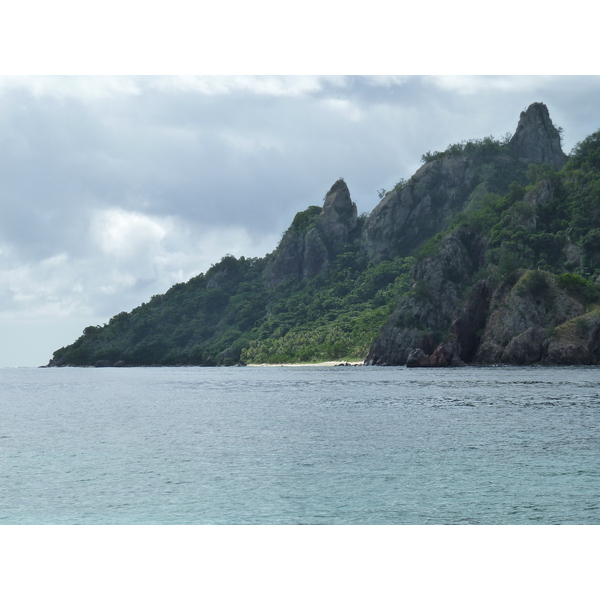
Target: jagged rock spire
x: 536, y: 139
x: 338, y: 200
x: 306, y: 252
x: 339, y: 216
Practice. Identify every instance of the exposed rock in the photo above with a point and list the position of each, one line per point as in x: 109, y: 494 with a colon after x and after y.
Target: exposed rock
x: 310, y: 244
x: 417, y: 358
x: 529, y: 322
x: 315, y: 255
x: 575, y: 342
x: 572, y: 256
x: 228, y: 357
x: 338, y: 218
x: 469, y: 320
x: 423, y: 206
x: 532, y: 321
x: 536, y: 139
x: 541, y: 195
x: 217, y: 280
x: 515, y: 323
x: 430, y: 307
x: 395, y: 342
x: 526, y: 348
x: 522, y: 318
x: 443, y: 356
x: 103, y: 363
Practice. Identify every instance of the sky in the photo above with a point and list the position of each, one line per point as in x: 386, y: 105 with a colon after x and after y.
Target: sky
x: 114, y: 188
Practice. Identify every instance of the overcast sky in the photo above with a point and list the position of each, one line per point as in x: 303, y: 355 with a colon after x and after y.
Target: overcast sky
x: 112, y: 189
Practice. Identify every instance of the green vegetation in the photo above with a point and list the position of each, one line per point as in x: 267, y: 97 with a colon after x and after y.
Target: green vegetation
x: 482, y: 150
x: 228, y: 315
x: 336, y: 315
x: 543, y: 225
x: 304, y: 220
x: 533, y: 283
x: 540, y: 225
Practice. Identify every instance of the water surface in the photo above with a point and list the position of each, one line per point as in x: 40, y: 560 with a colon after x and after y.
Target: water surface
x: 300, y: 445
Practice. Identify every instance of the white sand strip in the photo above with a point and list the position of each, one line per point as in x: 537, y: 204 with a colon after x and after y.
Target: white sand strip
x: 329, y: 363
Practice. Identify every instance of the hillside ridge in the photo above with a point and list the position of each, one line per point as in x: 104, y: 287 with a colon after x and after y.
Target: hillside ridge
x: 487, y: 254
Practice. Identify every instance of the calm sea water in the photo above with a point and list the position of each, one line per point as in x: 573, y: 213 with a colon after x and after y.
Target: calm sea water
x: 301, y: 445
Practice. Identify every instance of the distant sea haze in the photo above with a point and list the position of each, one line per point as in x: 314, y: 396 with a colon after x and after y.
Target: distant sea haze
x: 300, y: 445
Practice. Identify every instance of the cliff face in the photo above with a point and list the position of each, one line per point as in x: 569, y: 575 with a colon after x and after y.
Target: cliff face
x: 535, y: 321
x: 415, y: 211
x: 315, y: 238
x: 575, y: 342
x: 443, y: 323
x: 431, y: 306
x: 522, y: 319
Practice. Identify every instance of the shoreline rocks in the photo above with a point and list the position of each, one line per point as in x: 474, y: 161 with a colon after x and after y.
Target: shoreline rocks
x: 443, y: 356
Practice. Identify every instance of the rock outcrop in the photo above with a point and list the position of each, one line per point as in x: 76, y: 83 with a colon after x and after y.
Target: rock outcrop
x: 444, y: 355
x: 528, y: 321
x: 468, y: 321
x: 536, y: 139
x: 416, y: 210
x: 315, y: 238
x: 338, y: 218
x: 575, y: 342
x: 522, y: 319
x: 536, y: 321
x: 430, y: 307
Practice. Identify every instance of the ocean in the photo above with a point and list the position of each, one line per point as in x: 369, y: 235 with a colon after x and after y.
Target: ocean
x: 300, y: 445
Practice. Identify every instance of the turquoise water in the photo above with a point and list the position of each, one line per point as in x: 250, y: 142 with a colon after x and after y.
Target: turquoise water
x: 301, y: 445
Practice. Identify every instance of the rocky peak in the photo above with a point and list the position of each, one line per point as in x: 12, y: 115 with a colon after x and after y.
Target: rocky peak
x: 338, y: 205
x: 307, y: 248
x: 338, y: 217
x: 536, y: 139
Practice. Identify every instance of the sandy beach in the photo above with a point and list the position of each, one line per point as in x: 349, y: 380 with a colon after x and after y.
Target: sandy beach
x: 329, y: 363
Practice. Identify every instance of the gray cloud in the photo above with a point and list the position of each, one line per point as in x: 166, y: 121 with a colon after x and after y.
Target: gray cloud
x: 113, y: 189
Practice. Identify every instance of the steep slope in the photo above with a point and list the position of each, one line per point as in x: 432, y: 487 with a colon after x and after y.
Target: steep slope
x: 424, y: 205
x: 423, y: 315
x: 315, y: 238
x: 513, y: 280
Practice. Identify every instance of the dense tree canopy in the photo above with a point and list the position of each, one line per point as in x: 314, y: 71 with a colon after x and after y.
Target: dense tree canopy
x: 547, y: 221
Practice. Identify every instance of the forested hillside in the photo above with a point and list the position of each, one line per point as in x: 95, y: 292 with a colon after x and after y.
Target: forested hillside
x: 489, y: 253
